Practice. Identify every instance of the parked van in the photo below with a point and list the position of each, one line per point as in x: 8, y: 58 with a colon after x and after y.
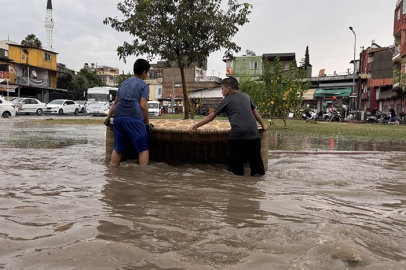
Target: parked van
x: 154, y: 108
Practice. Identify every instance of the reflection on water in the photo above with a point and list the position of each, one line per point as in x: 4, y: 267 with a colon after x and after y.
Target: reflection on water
x: 63, y: 208
x: 293, y: 143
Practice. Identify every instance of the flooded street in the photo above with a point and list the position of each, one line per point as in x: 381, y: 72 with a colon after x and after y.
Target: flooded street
x: 61, y: 207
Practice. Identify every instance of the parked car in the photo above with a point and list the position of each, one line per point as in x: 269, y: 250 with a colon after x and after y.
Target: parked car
x: 29, y: 105
x: 154, y: 108
x: 62, y: 106
x: 82, y: 105
x: 98, y: 108
x: 7, y: 109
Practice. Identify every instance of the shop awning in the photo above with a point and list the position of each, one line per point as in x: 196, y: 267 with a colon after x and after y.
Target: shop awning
x: 10, y: 88
x: 336, y: 92
x: 309, y: 94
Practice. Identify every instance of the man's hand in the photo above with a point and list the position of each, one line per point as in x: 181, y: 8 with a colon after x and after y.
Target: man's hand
x: 107, y: 122
x: 192, y: 130
x: 265, y: 127
x: 149, y: 128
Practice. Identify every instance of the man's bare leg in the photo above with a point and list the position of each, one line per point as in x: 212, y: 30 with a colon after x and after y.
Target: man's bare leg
x: 143, y: 157
x: 115, y: 159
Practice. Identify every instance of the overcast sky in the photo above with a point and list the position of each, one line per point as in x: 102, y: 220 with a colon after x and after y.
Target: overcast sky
x: 79, y: 35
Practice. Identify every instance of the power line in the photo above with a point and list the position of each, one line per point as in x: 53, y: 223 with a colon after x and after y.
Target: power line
x: 334, y: 56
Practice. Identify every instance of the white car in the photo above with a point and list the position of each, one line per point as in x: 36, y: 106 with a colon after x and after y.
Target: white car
x: 29, y: 105
x: 82, y: 105
x: 153, y: 108
x: 62, y: 106
x: 7, y: 109
x: 98, y: 108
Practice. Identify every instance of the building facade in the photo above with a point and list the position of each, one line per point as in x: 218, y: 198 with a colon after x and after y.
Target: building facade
x: 396, y: 97
x: 32, y: 72
x: 171, y: 81
x: 376, y: 73
x: 252, y: 65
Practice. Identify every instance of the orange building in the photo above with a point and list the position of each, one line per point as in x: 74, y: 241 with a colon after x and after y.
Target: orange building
x: 32, y: 72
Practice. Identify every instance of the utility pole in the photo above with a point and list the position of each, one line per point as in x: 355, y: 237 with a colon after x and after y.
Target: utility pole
x: 353, y: 73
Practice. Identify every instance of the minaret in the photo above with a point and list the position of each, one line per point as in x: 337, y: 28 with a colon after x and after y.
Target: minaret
x: 49, y: 25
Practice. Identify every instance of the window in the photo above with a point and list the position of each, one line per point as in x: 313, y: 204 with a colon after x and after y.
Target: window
x: 404, y: 7
x: 398, y: 14
x: 47, y: 57
x: 22, y: 57
x: 253, y: 65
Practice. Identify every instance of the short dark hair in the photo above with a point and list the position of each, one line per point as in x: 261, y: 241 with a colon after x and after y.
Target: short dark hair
x: 141, y: 65
x: 231, y: 82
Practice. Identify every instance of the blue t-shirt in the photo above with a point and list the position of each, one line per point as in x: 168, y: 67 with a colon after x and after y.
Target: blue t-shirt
x: 129, y: 95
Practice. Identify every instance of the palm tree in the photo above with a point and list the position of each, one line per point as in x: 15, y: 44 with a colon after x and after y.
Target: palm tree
x: 32, y: 41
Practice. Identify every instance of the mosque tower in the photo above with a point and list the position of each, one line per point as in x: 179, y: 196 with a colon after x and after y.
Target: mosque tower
x: 49, y: 25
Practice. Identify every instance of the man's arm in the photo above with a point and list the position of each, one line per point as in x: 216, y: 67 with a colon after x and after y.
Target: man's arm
x: 207, y: 119
x: 259, y: 119
x: 144, y: 109
x: 111, y: 111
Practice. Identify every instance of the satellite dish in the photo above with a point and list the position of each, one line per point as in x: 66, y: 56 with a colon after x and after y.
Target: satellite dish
x: 11, y: 70
x: 34, y: 74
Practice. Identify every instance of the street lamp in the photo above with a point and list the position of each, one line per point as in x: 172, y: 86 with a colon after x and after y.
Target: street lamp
x: 353, y: 73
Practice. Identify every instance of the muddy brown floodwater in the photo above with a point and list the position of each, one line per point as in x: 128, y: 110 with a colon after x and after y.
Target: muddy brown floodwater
x: 61, y: 207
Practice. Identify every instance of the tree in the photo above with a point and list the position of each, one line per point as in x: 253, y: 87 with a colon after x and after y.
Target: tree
x: 182, y: 32
x: 79, y: 87
x: 307, y: 57
x: 277, y: 92
x: 65, y: 81
x: 32, y: 41
x: 122, y: 77
x: 306, y: 60
x: 399, y: 76
x: 91, y: 80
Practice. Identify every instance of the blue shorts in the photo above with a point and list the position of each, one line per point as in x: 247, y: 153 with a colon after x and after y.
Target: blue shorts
x: 127, y: 131
x: 393, y: 119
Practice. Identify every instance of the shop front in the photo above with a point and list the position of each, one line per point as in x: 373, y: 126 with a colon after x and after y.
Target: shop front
x: 335, y: 96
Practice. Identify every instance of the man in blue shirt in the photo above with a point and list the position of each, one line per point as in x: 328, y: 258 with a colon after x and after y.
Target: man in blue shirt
x: 130, y: 110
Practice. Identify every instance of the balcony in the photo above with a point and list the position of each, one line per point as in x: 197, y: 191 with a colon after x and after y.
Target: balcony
x: 40, y: 83
x: 208, y: 79
x: 389, y: 94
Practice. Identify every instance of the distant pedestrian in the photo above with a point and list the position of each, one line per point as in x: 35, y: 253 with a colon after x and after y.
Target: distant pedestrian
x: 245, y: 141
x: 393, y: 117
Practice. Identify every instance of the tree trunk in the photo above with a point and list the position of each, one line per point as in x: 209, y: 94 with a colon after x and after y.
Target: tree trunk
x: 185, y: 93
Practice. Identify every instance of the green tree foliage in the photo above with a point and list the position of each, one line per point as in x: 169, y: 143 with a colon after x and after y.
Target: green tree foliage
x: 32, y: 41
x: 122, y: 77
x: 85, y: 79
x: 92, y: 78
x: 307, y: 57
x: 183, y: 32
x: 306, y: 60
x: 79, y: 87
x: 399, y: 76
x: 65, y: 81
x: 277, y: 92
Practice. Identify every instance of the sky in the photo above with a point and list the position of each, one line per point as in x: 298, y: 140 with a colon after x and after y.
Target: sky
x: 288, y: 26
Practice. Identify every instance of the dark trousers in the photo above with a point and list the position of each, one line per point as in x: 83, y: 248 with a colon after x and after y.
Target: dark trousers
x: 241, y: 151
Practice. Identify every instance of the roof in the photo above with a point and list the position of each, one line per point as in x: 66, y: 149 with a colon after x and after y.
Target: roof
x: 336, y: 92
x: 4, y: 44
x: 28, y: 47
